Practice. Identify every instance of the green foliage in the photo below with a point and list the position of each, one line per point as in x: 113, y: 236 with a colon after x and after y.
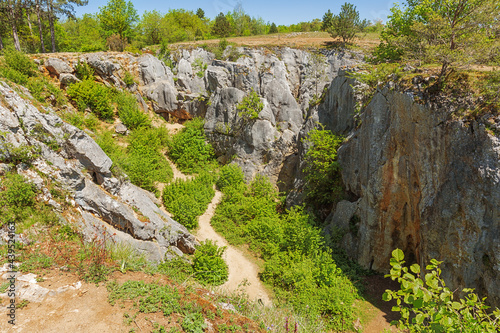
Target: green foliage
x: 322, y: 172
x: 129, y: 112
x: 149, y: 297
x: 194, y: 323
x: 189, y: 149
x: 128, y: 79
x: 80, y: 120
x: 42, y: 89
x: 489, y: 87
x: 346, y: 24
x: 427, y: 305
x: 17, y: 66
x: 36, y: 262
x: 250, y: 106
x: 450, y: 33
x: 93, y: 95
x: 298, y: 265
x: 221, y: 27
x: 18, y: 203
x: 17, y: 193
x: 142, y: 160
x: 118, y: 17
x: 208, y: 265
x: 84, y: 71
x: 230, y: 175
x: 187, y: 200
x: 273, y: 29
x: 327, y: 21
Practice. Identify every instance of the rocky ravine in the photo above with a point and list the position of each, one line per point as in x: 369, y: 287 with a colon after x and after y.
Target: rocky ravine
x: 420, y: 180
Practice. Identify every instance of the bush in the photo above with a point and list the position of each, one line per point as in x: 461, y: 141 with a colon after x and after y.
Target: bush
x: 142, y: 160
x: 208, y: 265
x: 298, y: 265
x: 129, y: 113
x: 20, y: 63
x: 427, y: 305
x: 189, y: 149
x: 116, y: 43
x: 250, y: 106
x: 42, y: 89
x: 128, y: 79
x: 93, y: 95
x: 84, y: 71
x: 322, y: 173
x: 189, y: 199
x: 230, y: 175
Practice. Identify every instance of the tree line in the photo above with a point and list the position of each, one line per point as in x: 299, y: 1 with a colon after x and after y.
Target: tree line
x: 51, y: 25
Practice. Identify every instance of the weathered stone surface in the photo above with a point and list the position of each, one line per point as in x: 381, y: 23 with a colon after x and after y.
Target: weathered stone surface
x: 121, y: 129
x: 79, y: 165
x: 153, y: 70
x: 427, y: 185
x: 67, y: 79
x: 57, y: 66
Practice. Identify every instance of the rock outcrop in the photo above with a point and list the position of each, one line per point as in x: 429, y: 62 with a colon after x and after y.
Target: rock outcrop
x: 107, y: 207
x: 424, y: 183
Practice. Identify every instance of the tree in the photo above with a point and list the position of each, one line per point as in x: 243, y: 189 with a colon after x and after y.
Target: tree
x: 327, y: 21
x: 450, y: 32
x: 200, y: 13
x: 347, y: 23
x: 150, y: 27
x: 60, y: 7
x: 118, y: 17
x: 221, y: 27
x: 273, y: 29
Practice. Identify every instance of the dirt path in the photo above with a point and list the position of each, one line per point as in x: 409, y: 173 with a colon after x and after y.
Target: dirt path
x: 242, y: 272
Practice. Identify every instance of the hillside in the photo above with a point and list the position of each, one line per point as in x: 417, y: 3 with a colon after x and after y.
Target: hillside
x: 101, y: 178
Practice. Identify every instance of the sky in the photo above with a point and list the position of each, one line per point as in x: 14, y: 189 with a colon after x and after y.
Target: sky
x: 277, y: 11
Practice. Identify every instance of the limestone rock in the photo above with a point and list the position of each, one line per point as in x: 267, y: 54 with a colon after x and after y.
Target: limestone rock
x: 57, y: 67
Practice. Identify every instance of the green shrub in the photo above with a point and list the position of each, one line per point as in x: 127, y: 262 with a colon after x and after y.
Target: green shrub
x: 189, y: 149
x: 323, y: 185
x: 142, y: 160
x: 129, y: 113
x: 41, y: 89
x: 427, y: 305
x: 93, y: 95
x: 208, y: 265
x: 13, y: 75
x: 128, y: 79
x: 189, y: 199
x: 20, y: 62
x: 18, y: 192
x: 84, y: 71
x: 298, y: 265
x: 18, y: 204
x: 230, y: 175
x: 250, y: 106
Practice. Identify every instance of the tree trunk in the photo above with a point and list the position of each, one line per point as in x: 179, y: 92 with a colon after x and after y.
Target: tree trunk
x: 13, y: 23
x: 40, y: 25
x: 1, y: 42
x: 51, y: 23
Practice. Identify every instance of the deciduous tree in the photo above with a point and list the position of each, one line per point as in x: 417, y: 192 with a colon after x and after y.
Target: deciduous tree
x: 118, y: 17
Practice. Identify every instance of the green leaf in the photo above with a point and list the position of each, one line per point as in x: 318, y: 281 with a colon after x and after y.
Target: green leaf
x: 415, y: 268
x: 398, y: 255
x: 418, y: 303
x: 419, y: 319
x: 386, y: 297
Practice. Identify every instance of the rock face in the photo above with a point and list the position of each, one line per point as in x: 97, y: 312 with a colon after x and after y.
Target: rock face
x: 106, y: 207
x: 425, y: 184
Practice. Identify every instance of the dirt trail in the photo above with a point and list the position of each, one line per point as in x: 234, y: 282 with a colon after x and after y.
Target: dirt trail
x: 242, y: 272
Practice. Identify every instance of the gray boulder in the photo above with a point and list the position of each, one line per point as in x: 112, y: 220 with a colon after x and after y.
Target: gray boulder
x: 56, y: 67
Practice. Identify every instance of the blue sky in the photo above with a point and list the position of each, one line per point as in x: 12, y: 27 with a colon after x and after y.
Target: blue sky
x: 280, y: 12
